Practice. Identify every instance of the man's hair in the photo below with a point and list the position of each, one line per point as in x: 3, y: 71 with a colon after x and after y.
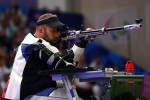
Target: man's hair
x: 47, y: 15
x: 44, y: 16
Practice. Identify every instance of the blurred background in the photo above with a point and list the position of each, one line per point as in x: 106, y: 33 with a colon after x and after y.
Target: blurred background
x: 18, y: 18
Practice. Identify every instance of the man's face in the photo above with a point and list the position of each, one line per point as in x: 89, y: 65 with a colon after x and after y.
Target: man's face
x: 51, y: 35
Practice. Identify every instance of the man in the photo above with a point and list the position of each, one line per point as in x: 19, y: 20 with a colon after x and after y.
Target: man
x: 38, y: 52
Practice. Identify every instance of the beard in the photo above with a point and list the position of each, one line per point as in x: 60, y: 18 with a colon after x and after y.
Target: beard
x: 46, y: 38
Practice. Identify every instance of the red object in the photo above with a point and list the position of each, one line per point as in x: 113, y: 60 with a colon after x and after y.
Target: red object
x: 60, y: 46
x: 4, y: 93
x: 130, y: 82
x: 129, y: 67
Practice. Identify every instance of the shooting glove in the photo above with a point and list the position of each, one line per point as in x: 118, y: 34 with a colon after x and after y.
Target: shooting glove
x: 82, y: 43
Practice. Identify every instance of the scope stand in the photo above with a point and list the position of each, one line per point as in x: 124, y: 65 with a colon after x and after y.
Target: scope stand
x: 71, y: 91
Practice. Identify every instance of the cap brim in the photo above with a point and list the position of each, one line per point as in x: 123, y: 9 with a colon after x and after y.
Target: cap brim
x: 55, y: 24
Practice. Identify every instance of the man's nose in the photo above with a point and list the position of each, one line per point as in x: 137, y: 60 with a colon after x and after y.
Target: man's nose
x: 57, y: 34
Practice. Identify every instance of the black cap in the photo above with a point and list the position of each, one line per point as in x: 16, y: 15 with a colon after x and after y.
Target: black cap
x: 51, y: 21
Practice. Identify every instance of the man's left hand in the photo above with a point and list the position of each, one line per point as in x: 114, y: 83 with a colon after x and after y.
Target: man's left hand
x: 87, y: 37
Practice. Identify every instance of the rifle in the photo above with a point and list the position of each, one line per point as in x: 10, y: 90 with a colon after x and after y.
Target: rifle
x: 68, y: 35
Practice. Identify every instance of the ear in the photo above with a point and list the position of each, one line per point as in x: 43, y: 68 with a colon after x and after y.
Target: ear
x: 40, y: 31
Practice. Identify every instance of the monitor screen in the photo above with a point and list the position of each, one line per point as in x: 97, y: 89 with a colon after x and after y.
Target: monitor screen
x: 126, y: 87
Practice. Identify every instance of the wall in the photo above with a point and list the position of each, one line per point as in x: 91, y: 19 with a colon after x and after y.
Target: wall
x: 52, y: 4
x: 140, y: 52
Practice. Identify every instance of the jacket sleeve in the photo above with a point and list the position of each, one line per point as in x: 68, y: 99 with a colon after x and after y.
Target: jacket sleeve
x: 78, y: 49
x: 52, y: 56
